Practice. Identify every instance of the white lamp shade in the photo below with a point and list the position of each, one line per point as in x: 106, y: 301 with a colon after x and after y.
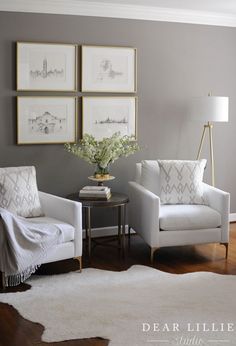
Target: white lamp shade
x: 210, y: 108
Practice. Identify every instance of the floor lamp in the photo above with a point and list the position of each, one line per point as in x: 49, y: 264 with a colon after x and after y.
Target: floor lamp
x: 209, y: 109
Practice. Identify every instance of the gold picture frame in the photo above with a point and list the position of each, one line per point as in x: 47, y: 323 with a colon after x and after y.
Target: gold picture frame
x: 38, y: 124
x: 108, y: 69
x: 102, y: 127
x: 46, y: 66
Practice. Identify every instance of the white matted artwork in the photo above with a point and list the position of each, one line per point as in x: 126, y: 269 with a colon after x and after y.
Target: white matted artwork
x: 46, y: 120
x: 108, y: 69
x: 104, y: 116
x: 46, y: 66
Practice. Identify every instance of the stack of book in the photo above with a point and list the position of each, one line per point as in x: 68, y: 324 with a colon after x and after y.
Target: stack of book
x: 98, y: 193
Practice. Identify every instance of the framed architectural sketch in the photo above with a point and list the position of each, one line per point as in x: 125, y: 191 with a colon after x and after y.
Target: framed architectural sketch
x: 108, y: 69
x: 46, y: 66
x: 46, y: 120
x: 103, y: 116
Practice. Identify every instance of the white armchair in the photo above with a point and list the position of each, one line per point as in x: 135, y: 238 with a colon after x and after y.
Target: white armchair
x: 57, y: 209
x: 174, y: 225
x: 67, y: 214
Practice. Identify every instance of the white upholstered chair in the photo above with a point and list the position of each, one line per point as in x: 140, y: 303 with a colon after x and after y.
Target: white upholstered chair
x: 64, y: 212
x: 174, y: 225
x: 61, y: 210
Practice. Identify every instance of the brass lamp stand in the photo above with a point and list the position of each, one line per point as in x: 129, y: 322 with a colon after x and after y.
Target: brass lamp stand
x: 209, y: 109
x: 208, y: 126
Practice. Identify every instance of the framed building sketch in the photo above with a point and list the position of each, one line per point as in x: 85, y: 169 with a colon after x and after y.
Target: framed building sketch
x: 108, y: 69
x: 46, y: 66
x: 104, y: 116
x: 46, y: 120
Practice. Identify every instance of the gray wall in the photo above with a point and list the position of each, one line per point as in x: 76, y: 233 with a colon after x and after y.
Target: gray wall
x: 175, y: 62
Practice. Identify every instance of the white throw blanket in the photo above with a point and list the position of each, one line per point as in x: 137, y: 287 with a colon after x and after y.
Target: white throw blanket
x: 24, y: 245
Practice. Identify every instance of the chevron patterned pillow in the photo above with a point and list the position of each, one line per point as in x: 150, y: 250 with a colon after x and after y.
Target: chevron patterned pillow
x: 181, y: 181
x: 19, y: 192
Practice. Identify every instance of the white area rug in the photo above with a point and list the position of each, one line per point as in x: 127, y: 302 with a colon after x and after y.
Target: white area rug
x: 114, y: 305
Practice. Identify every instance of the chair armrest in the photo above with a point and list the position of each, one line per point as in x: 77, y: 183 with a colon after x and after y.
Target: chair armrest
x: 220, y: 201
x: 144, y: 209
x: 65, y: 210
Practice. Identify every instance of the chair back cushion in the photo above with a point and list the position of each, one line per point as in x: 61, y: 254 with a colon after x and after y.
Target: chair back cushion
x: 138, y: 172
x: 19, y: 192
x: 150, y: 176
x: 181, y: 181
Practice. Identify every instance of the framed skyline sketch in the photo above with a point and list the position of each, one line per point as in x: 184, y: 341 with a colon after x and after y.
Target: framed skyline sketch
x: 108, y: 69
x: 46, y: 120
x: 103, y: 116
x: 46, y: 66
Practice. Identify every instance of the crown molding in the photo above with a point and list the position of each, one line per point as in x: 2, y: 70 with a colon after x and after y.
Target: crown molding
x: 115, y: 10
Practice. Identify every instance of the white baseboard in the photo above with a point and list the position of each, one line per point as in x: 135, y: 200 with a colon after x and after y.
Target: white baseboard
x: 232, y: 217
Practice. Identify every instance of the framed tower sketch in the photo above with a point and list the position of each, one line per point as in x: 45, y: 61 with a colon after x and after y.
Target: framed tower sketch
x: 46, y: 120
x: 108, y: 69
x: 104, y: 116
x: 46, y: 67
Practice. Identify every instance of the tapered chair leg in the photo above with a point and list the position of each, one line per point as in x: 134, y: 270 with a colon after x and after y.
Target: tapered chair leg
x: 226, y: 249
x: 153, y: 250
x: 79, y: 258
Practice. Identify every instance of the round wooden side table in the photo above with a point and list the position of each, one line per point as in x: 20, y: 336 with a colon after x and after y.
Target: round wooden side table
x: 117, y: 200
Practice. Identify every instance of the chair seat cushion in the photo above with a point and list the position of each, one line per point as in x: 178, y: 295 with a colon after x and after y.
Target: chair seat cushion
x: 188, y: 217
x: 68, y: 230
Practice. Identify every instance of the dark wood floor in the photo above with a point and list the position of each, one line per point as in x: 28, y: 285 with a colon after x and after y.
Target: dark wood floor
x: 16, y: 331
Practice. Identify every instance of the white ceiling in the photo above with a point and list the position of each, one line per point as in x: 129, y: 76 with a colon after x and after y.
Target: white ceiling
x: 221, y: 6
x: 209, y: 12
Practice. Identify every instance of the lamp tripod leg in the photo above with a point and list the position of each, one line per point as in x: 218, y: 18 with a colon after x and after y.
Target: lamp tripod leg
x: 212, y: 155
x: 201, y: 143
x: 209, y: 126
